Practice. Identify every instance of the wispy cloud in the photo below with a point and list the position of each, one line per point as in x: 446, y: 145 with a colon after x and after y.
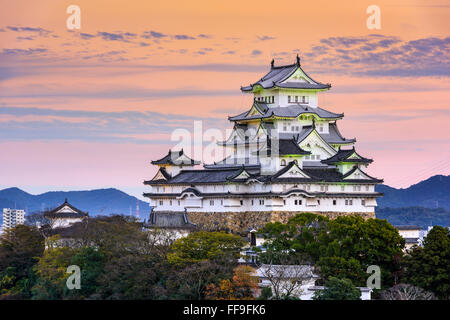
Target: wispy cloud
x: 265, y: 38
x: 379, y: 55
x: 126, y: 126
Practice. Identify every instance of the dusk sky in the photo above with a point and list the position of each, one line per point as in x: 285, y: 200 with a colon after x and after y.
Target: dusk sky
x: 90, y: 108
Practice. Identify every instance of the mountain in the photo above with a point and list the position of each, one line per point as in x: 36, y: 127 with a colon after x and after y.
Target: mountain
x: 96, y: 202
x: 418, y: 216
x: 422, y: 204
x: 431, y: 193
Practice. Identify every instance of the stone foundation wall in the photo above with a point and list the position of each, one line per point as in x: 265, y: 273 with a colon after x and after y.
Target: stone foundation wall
x: 240, y: 222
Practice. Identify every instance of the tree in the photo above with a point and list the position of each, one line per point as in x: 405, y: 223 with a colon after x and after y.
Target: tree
x: 19, y: 249
x: 343, y: 247
x: 51, y: 272
x: 189, y: 281
x: 406, y: 292
x: 242, y: 286
x: 202, y: 245
x: 427, y: 267
x: 338, y: 289
x: 266, y: 293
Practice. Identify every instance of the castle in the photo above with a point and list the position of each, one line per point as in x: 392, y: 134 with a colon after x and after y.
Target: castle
x: 287, y: 156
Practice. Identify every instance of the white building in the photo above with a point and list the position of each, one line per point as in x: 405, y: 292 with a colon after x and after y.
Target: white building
x: 411, y: 234
x: 65, y: 216
x: 286, y: 155
x: 297, y: 280
x: 12, y: 218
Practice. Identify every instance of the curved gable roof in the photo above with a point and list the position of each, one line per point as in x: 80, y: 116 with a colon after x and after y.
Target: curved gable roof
x: 277, y: 77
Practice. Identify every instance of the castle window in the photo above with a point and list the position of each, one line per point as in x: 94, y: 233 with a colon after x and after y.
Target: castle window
x: 334, y: 202
x: 318, y: 202
x: 179, y: 202
x: 296, y: 98
x: 283, y: 162
x: 350, y: 202
x: 296, y: 202
x: 363, y: 202
x: 303, y: 99
x: 242, y: 202
x: 221, y: 202
x: 253, y: 202
x: 170, y: 202
x: 161, y: 202
x: 346, y: 202
x: 211, y: 202
x: 289, y: 99
x: 284, y: 202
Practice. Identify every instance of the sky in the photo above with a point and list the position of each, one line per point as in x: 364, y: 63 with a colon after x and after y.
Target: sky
x: 90, y: 108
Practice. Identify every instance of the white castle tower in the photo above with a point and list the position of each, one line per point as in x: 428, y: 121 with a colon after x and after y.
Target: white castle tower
x: 287, y: 157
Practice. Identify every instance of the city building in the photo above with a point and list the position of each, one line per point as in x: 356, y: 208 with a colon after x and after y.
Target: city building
x: 12, y: 218
x: 286, y: 156
x: 411, y: 234
x: 297, y: 280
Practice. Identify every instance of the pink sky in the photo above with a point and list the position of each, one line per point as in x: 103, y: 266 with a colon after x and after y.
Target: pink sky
x: 91, y: 108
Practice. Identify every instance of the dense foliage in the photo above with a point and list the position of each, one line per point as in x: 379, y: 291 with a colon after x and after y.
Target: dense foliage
x: 338, y: 289
x: 428, y: 267
x: 343, y: 247
x: 118, y: 259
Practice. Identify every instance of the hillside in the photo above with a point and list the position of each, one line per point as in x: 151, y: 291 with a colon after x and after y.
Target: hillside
x: 424, y: 203
x: 431, y: 193
x: 96, y: 202
x: 418, y: 216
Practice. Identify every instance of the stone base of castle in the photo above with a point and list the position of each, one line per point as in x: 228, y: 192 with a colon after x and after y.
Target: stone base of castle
x: 240, y: 222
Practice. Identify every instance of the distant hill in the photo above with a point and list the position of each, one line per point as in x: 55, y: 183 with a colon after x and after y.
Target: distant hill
x: 423, y: 203
x: 431, y: 193
x: 96, y: 202
x: 418, y: 216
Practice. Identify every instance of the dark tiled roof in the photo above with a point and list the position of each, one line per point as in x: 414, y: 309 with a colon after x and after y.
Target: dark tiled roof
x: 290, y: 111
x: 169, y: 220
x: 342, y: 156
x: 372, y: 179
x: 408, y: 227
x: 286, y: 147
x: 412, y: 240
x: 211, y: 176
x: 76, y: 214
x: 334, y: 136
x: 276, y: 76
x: 172, y: 158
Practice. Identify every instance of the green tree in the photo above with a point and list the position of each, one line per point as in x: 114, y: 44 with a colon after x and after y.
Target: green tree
x: 338, y: 289
x: 427, y: 267
x: 202, y: 245
x: 20, y: 248
x: 51, y: 272
x: 189, y: 281
x: 343, y: 247
x: 91, y: 262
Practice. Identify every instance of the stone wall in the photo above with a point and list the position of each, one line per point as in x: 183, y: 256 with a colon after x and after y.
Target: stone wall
x: 240, y: 222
